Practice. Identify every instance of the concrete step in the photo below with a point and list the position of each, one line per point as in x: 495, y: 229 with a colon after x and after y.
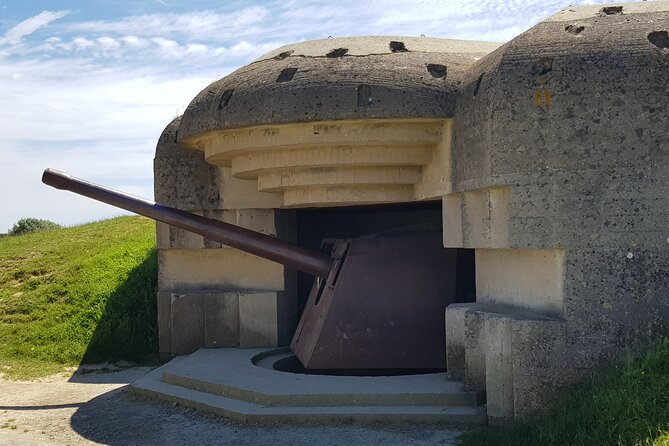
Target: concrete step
x: 235, y: 384
x: 250, y: 412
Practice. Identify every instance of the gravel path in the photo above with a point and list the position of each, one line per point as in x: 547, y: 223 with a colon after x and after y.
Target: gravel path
x: 96, y: 408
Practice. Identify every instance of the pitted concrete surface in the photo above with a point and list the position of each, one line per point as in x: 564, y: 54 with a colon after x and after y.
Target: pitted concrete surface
x: 377, y: 77
x: 96, y: 408
x: 368, y: 45
x: 226, y: 368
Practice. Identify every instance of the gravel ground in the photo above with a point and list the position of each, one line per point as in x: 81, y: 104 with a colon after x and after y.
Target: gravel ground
x: 97, y: 408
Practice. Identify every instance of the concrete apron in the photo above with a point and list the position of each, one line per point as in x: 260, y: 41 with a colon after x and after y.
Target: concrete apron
x: 240, y: 384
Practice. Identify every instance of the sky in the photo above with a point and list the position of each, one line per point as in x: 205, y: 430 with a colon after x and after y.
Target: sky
x: 88, y: 86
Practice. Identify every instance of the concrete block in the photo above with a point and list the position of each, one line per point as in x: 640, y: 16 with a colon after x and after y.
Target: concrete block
x: 221, y: 319
x: 499, y: 366
x: 258, y: 326
x: 172, y: 237
x: 222, y: 146
x: 182, y: 239
x: 542, y: 365
x: 162, y: 235
x: 243, y: 194
x: 218, y: 269
x: 331, y: 157
x: 436, y: 180
x: 455, y: 340
x: 452, y: 221
x: 532, y: 279
x: 164, y: 310
x: 259, y: 220
x: 187, y: 322
x: 343, y: 195
x: 291, y: 178
x: 485, y: 215
x: 475, y: 350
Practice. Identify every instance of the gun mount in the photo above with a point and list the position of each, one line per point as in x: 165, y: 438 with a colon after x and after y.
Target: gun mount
x: 376, y: 302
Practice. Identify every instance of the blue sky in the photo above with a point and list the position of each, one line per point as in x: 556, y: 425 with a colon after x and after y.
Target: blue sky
x: 88, y: 86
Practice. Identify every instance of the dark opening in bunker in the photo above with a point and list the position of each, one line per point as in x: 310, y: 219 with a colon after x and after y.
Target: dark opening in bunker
x: 317, y: 224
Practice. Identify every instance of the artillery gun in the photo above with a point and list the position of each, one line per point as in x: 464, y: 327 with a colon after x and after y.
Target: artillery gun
x: 377, y: 302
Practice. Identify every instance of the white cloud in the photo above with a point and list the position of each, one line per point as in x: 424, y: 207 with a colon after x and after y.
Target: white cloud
x: 81, y: 43
x: 102, y: 104
x: 208, y: 25
x: 135, y: 42
x: 108, y: 43
x: 29, y: 26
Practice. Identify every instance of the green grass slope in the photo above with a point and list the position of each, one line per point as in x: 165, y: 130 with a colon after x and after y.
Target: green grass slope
x: 78, y: 295
x: 629, y: 405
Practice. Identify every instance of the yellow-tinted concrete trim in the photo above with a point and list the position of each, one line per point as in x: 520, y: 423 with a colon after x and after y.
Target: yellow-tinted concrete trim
x: 339, y: 176
x: 251, y: 165
x: 347, y: 195
x: 532, y: 279
x: 286, y: 136
x: 217, y: 269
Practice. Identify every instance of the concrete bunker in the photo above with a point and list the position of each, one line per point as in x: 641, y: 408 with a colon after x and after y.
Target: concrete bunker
x: 548, y: 155
x: 307, y: 178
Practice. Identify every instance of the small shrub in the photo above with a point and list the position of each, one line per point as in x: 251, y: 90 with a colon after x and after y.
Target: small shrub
x: 28, y: 225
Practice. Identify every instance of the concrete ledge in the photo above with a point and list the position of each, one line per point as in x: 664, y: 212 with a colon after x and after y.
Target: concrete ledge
x: 226, y: 382
x: 217, y: 269
x: 528, y: 279
x: 253, y: 413
x: 502, y: 350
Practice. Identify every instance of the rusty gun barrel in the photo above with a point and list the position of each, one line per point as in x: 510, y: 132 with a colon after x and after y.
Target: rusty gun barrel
x: 305, y: 260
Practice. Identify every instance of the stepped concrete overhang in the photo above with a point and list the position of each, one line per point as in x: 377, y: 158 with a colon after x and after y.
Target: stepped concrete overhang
x: 549, y: 155
x: 337, y: 121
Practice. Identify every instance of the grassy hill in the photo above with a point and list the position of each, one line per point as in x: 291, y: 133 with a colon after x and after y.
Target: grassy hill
x: 81, y: 294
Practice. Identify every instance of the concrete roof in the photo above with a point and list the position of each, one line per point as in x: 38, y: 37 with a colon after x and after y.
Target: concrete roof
x: 393, y: 77
x: 335, y: 79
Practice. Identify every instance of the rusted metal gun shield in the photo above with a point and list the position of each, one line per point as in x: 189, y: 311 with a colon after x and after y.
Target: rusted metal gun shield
x: 382, y: 306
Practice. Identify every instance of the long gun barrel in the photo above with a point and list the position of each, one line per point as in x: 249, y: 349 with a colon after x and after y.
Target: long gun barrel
x: 305, y: 260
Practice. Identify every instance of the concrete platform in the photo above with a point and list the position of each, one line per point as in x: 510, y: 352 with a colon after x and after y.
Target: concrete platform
x: 239, y: 384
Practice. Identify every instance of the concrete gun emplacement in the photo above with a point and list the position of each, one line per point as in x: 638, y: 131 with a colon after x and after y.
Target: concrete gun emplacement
x: 377, y: 302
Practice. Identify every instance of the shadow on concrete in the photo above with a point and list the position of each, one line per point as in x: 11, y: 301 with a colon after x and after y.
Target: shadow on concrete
x: 127, y: 331
x: 122, y: 418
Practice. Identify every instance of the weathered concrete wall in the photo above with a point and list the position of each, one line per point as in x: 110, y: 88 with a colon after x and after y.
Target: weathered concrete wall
x: 550, y: 153
x: 336, y: 79
x: 211, y: 295
x: 377, y: 139
x: 569, y: 117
